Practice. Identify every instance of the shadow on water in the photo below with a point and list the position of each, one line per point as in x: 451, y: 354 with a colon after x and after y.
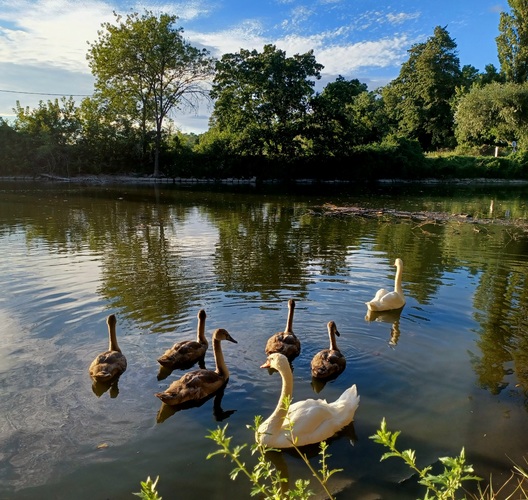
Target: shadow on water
x: 318, y: 384
x: 100, y: 387
x: 391, y: 317
x: 165, y: 371
x: 219, y: 414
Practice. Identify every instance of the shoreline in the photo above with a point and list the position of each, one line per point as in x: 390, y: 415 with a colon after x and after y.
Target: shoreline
x: 94, y: 179
x: 420, y: 218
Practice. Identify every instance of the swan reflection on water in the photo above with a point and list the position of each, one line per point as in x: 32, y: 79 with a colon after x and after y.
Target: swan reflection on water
x: 392, y: 317
x: 100, y: 387
x: 336, y: 484
x: 219, y: 414
x: 318, y: 384
x: 165, y: 371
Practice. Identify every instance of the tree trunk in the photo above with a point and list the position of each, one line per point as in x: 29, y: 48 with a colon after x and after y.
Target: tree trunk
x: 157, y: 147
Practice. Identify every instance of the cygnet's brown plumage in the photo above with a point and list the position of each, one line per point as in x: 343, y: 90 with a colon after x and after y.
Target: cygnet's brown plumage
x: 186, y: 353
x: 199, y: 384
x: 111, y: 363
x: 285, y: 342
x: 329, y: 362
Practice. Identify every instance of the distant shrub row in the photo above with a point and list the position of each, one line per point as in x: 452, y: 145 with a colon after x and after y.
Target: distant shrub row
x: 394, y: 159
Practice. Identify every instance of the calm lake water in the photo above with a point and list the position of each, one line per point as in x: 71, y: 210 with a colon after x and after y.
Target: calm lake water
x: 450, y: 372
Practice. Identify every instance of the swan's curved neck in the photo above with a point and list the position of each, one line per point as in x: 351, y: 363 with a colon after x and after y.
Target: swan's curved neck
x: 280, y: 411
x: 289, y: 321
x: 112, y: 344
x: 333, y: 342
x: 398, y: 279
x: 221, y: 367
x: 200, y: 332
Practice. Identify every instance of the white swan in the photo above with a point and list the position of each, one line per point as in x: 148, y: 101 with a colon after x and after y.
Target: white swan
x: 112, y: 363
x: 329, y: 362
x: 385, y: 300
x: 200, y: 384
x: 186, y: 353
x: 285, y: 342
x: 314, y: 420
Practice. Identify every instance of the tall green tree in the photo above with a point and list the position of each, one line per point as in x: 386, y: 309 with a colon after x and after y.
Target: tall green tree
x: 51, y: 130
x: 493, y: 114
x: 145, y: 68
x: 491, y: 74
x: 110, y: 142
x: 262, y: 99
x: 512, y: 42
x: 418, y: 101
x: 15, y: 150
x: 331, y: 128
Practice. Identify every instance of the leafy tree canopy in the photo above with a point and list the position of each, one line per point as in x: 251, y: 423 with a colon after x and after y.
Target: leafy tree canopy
x: 145, y: 68
x: 493, y: 114
x: 344, y: 114
x: 512, y: 42
x: 263, y: 98
x: 418, y: 101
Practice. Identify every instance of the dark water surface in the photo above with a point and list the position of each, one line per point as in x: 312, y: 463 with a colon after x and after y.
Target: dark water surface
x: 450, y: 372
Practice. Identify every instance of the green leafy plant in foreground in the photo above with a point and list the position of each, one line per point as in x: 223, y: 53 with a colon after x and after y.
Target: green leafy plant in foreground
x: 442, y: 486
x: 266, y: 480
x: 148, y: 490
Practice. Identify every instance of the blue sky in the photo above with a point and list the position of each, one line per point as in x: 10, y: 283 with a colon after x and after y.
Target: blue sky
x: 43, y: 43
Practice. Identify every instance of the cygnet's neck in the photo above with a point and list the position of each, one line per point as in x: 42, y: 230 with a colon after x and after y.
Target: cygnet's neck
x: 221, y: 367
x: 200, y: 332
x: 333, y: 341
x: 112, y: 344
x: 289, y: 321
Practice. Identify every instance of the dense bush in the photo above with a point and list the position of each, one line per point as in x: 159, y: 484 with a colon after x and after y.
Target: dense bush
x: 474, y: 167
x: 394, y: 158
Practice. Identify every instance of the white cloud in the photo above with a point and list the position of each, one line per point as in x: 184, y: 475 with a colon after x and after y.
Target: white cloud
x: 301, y: 14
x: 337, y: 58
x: 56, y: 32
x: 347, y: 59
x: 186, y: 11
x: 50, y: 32
x: 402, y: 17
x: 247, y: 35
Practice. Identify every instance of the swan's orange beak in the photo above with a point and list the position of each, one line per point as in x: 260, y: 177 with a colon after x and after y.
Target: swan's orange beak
x: 266, y: 364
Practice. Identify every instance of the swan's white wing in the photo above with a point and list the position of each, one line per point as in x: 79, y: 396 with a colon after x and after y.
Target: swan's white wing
x: 373, y: 304
x: 392, y: 300
x: 389, y: 301
x: 380, y: 293
x: 315, y: 420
